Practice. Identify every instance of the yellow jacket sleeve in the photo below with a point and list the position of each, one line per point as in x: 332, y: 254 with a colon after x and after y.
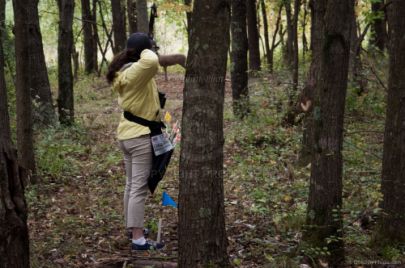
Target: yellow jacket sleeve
x: 141, y: 72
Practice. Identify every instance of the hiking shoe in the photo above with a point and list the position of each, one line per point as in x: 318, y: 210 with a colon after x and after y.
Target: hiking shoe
x: 149, y: 245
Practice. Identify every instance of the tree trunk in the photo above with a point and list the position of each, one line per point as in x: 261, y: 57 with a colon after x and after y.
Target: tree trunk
x: 379, y: 26
x: 304, y: 26
x: 43, y: 111
x: 88, y: 41
x: 324, y: 219
x: 202, y: 237
x: 75, y: 59
x: 274, y: 45
x: 239, y: 75
x: 65, y: 50
x: 253, y: 35
x: 292, y: 59
x: 119, y: 25
x: 289, y: 49
x: 95, y: 34
x: 266, y: 31
x: 5, y: 133
x: 132, y: 20
x: 24, y: 72
x: 142, y: 16
x: 393, y: 170
x: 297, y: 7
x: 355, y: 64
x: 307, y: 95
x: 14, y: 244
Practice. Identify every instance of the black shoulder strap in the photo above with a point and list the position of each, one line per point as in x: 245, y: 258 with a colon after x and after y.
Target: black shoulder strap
x: 142, y: 121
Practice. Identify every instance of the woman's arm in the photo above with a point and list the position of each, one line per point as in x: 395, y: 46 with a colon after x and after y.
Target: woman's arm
x: 141, y: 72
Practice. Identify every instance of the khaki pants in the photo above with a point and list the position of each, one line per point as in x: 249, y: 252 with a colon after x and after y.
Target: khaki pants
x: 138, y: 162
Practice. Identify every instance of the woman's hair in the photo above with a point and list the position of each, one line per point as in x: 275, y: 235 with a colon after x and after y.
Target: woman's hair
x: 119, y: 60
x: 136, y: 43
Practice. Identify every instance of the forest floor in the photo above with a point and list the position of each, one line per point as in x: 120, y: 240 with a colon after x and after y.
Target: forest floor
x: 76, y: 217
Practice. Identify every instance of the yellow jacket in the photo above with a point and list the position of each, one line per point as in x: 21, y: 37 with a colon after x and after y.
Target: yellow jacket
x: 138, y: 94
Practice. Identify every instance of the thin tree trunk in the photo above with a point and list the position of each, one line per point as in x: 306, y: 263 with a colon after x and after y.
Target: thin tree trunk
x: 355, y: 63
x: 109, y: 41
x: 239, y: 75
x: 75, y: 59
x: 119, y: 25
x: 289, y: 49
x: 266, y: 31
x: 274, y: 45
x: 379, y: 27
x: 95, y: 34
x: 324, y: 219
x: 43, y: 111
x: 253, y: 35
x: 65, y: 50
x: 24, y: 72
x: 88, y: 40
x: 295, y: 73
x: 202, y: 236
x: 304, y: 26
x: 132, y: 20
x: 293, y: 39
x: 393, y: 181
x: 142, y: 16
x: 307, y: 95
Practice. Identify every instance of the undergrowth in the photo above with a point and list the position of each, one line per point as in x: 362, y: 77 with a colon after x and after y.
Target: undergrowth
x: 75, y: 212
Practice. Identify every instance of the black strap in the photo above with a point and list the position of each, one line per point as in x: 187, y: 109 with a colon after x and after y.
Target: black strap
x: 153, y: 125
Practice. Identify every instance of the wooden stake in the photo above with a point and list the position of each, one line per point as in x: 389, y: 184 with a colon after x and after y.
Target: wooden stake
x: 159, y: 230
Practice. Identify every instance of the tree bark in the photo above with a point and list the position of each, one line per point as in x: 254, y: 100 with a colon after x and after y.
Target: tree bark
x: 142, y: 16
x: 355, y: 64
x: 88, y: 41
x: 24, y: 73
x: 119, y: 25
x: 65, y: 73
x: 274, y: 45
x: 132, y: 20
x: 5, y: 133
x: 304, y: 26
x: 307, y: 95
x: 14, y: 244
x: 266, y: 31
x: 202, y: 236
x: 324, y: 219
x: 293, y: 61
x: 289, y: 49
x: 379, y: 26
x: 295, y: 73
x: 393, y: 169
x: 239, y: 75
x: 43, y: 111
x: 253, y: 35
x: 95, y: 34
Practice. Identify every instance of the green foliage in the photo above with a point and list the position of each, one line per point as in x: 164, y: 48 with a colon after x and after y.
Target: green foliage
x: 58, y: 151
x: 390, y: 253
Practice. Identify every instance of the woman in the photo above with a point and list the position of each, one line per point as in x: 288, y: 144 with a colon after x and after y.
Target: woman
x: 131, y: 73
